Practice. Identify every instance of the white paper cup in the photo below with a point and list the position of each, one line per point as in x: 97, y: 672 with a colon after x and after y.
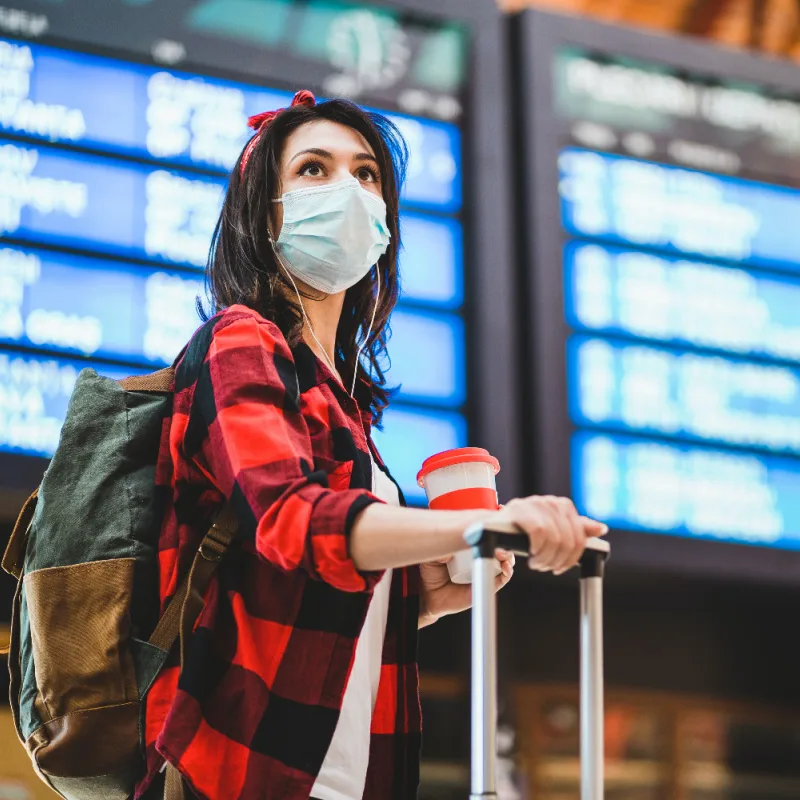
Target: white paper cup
x: 457, y: 480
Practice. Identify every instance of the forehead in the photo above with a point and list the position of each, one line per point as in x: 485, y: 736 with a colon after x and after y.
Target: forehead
x: 325, y: 135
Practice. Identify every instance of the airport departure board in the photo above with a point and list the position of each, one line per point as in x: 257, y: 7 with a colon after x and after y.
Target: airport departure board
x: 668, y: 289
x: 114, y: 155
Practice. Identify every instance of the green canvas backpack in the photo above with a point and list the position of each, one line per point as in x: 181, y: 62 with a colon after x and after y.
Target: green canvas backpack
x: 86, y: 638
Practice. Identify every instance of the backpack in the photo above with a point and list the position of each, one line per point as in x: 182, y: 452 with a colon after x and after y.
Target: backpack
x: 86, y: 638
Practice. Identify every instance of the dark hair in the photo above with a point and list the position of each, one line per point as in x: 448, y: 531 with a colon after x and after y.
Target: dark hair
x: 242, y: 267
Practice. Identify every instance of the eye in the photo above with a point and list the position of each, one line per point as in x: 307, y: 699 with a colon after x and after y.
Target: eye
x: 367, y: 175
x: 312, y: 169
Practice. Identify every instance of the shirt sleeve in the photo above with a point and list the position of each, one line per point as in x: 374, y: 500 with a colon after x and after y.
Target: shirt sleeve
x: 246, y: 429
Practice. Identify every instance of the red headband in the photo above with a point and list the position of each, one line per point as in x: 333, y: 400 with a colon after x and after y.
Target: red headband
x: 260, y: 121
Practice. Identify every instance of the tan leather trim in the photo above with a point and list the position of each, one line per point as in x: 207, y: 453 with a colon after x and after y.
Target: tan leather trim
x: 160, y: 381
x: 80, y: 629
x: 35, y: 744
x: 60, y: 746
x: 14, y: 555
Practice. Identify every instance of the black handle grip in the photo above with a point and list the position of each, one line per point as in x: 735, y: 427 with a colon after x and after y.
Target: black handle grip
x: 502, y: 536
x: 505, y: 536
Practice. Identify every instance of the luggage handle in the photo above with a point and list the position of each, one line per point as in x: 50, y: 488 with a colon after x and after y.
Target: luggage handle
x: 506, y: 536
x: 483, y: 769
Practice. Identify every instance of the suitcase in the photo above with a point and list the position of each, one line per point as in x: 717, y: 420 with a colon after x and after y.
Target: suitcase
x: 483, y: 774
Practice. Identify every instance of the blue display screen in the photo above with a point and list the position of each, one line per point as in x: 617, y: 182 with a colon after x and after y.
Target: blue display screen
x: 34, y: 393
x: 81, y: 305
x: 689, y: 491
x: 410, y: 435
x: 684, y: 380
x: 666, y: 392
x: 675, y: 301
x: 180, y: 118
x: 433, y: 179
x: 432, y: 260
x: 95, y: 203
x: 428, y: 358
x: 679, y: 210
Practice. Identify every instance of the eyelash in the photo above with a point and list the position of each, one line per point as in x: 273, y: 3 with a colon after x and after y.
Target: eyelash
x: 371, y: 170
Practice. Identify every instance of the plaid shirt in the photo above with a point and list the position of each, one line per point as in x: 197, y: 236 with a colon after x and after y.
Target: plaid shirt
x: 254, y: 710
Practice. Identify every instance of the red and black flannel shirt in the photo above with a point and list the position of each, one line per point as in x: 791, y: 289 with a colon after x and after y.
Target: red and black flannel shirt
x: 253, y: 711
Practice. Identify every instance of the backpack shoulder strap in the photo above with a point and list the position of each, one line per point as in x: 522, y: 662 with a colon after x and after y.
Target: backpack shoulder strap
x: 14, y: 556
x: 186, y: 604
x: 13, y: 563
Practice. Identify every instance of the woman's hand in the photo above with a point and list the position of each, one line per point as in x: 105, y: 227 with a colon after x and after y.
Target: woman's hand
x: 556, y: 531
x: 557, y: 536
x: 440, y: 596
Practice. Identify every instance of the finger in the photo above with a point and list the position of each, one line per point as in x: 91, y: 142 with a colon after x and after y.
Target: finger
x: 593, y: 528
x: 572, y: 535
x: 531, y: 519
x: 579, y: 536
x: 536, y: 519
x: 547, y: 554
x: 565, y: 512
x: 502, y: 580
x: 574, y: 541
x: 505, y: 555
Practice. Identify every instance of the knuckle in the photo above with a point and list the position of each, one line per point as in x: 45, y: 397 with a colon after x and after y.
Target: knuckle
x: 568, y: 507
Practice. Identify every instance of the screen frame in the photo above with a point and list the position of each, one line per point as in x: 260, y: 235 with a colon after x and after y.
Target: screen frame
x: 538, y: 37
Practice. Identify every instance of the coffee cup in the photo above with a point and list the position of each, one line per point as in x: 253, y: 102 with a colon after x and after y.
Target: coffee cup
x: 459, y: 479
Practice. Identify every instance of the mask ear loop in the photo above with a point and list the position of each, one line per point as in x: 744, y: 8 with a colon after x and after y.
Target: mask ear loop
x: 369, y: 331
x: 306, y: 320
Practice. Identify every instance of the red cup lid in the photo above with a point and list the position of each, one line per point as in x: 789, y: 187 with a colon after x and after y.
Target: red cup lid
x: 461, y: 455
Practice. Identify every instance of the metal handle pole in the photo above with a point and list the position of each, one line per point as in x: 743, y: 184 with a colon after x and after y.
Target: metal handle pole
x: 591, y: 634
x: 591, y: 689
x: 483, y: 782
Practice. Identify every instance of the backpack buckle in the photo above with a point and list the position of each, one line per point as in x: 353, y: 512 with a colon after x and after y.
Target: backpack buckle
x: 209, y: 554
x: 213, y: 547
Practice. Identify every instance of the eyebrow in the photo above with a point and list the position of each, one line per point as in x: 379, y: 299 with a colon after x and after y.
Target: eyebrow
x: 316, y: 151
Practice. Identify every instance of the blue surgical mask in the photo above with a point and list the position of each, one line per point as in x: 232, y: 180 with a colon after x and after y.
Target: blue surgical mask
x: 332, y: 235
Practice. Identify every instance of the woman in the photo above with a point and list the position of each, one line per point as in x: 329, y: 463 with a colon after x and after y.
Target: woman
x: 300, y: 679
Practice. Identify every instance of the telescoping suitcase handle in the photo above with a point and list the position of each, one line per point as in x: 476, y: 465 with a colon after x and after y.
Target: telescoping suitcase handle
x: 484, y: 541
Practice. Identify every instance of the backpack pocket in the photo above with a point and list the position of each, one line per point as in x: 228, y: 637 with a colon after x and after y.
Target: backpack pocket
x: 87, y: 695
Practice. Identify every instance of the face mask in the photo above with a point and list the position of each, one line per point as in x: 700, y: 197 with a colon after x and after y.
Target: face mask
x: 332, y: 235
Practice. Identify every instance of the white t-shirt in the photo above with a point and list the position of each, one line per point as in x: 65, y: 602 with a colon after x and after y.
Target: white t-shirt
x: 344, y: 770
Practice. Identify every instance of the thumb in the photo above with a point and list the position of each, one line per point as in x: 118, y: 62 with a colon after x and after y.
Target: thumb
x: 591, y: 527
